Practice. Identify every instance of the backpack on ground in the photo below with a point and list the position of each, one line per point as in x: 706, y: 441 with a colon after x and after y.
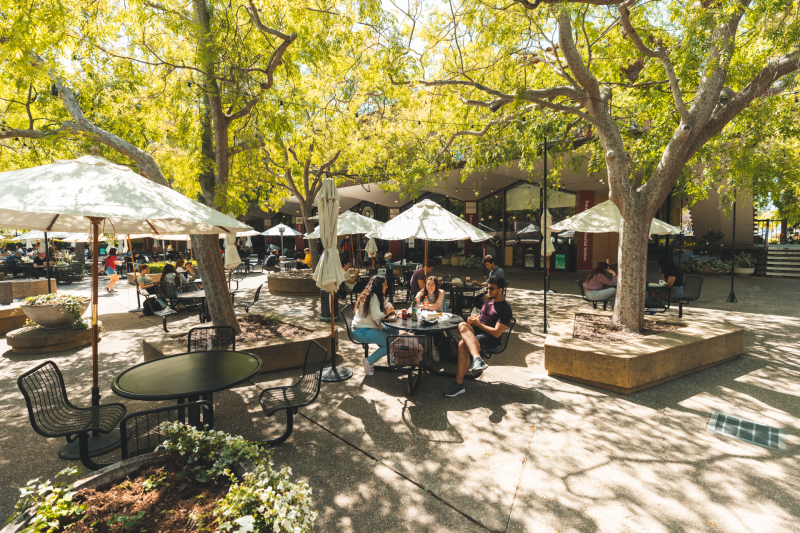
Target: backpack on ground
x: 151, y: 306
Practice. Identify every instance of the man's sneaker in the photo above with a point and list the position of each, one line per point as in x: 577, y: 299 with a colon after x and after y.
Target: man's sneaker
x: 478, y: 365
x: 368, y: 368
x: 454, y: 390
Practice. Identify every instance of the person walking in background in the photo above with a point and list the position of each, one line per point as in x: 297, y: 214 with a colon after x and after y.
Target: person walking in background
x: 600, y: 284
x: 111, y: 269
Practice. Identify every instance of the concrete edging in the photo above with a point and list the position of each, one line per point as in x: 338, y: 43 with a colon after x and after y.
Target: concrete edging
x: 632, y: 366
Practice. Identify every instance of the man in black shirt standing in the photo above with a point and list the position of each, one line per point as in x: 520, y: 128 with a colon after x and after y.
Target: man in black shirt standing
x: 481, y: 332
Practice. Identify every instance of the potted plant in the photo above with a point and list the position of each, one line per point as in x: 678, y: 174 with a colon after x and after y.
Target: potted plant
x: 446, y: 259
x: 744, y: 264
x: 53, y: 311
x: 455, y: 260
x: 718, y: 266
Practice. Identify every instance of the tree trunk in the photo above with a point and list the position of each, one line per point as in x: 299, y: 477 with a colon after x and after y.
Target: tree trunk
x: 206, y: 251
x: 305, y: 210
x: 632, y: 270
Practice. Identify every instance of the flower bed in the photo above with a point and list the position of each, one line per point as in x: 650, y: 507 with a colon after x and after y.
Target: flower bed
x: 195, y: 490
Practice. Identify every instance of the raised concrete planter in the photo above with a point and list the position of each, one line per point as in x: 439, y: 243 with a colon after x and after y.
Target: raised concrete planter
x: 642, y: 363
x: 132, y: 277
x: 277, y: 354
x: 22, y: 288
x: 11, y: 319
x: 51, y: 316
x: 31, y: 339
x: 115, y: 474
x: 289, y: 283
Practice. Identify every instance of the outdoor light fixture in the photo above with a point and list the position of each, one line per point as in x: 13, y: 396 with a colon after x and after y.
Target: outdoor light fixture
x: 481, y: 219
x: 490, y: 217
x: 462, y: 216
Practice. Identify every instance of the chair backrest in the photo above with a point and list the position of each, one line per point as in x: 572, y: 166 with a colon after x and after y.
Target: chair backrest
x: 583, y: 292
x: 191, y: 287
x: 143, y: 431
x: 212, y: 338
x: 506, y: 335
x: 348, y: 316
x: 167, y: 290
x: 46, y: 398
x: 307, y: 388
x: 258, y: 293
x: 691, y: 287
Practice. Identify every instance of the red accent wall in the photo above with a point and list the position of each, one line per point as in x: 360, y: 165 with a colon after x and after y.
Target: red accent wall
x: 585, y: 240
x: 298, y: 240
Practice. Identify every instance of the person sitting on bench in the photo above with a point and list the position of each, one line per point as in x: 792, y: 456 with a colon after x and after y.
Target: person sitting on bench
x: 273, y: 262
x: 494, y: 319
x: 146, y: 282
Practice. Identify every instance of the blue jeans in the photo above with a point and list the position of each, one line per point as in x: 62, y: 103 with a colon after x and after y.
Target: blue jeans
x: 373, y: 336
x: 603, y: 294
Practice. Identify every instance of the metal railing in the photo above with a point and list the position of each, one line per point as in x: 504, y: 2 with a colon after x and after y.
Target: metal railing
x: 769, y: 232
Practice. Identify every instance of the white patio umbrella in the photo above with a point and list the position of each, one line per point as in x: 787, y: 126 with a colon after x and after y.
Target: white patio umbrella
x: 530, y: 228
x: 372, y: 248
x: 351, y: 223
x: 79, y: 194
x: 38, y: 235
x: 280, y: 229
x: 605, y: 218
x: 329, y: 274
x: 429, y: 221
x: 547, y: 243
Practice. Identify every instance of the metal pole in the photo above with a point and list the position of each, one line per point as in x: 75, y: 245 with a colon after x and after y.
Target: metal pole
x: 680, y: 221
x: 47, y: 261
x: 732, y: 296
x: 95, y: 337
x: 544, y: 233
x: 133, y: 267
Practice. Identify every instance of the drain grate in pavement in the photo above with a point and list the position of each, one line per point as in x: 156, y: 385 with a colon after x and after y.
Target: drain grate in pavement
x: 748, y: 431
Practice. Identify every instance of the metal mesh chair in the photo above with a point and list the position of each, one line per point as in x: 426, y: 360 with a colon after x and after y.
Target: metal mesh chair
x: 691, y: 292
x: 143, y: 431
x: 248, y: 305
x: 401, y: 349
x: 347, y: 316
x: 489, y: 352
x: 52, y: 414
x: 593, y: 302
x: 301, y: 393
x: 212, y: 338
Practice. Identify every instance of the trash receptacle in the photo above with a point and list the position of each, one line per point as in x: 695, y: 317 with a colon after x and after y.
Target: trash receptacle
x: 325, y: 306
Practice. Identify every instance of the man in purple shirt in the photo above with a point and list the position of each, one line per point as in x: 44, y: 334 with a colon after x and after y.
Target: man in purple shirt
x: 418, y: 278
x: 481, y: 332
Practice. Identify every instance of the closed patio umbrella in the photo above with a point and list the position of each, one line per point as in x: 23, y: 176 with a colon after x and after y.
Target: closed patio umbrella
x: 76, y: 195
x: 372, y: 249
x: 329, y: 274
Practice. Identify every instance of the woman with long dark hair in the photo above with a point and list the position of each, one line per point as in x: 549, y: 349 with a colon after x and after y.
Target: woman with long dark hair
x: 433, y: 294
x: 600, y: 284
x: 371, y: 308
x: 111, y: 269
x: 170, y: 275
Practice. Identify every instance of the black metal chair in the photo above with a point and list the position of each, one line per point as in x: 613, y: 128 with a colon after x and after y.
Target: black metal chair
x: 691, y: 292
x: 347, y: 316
x: 166, y: 291
x: 488, y: 353
x: 248, y: 305
x: 399, y: 348
x: 593, y: 302
x: 52, y: 414
x: 212, y: 338
x: 141, y: 432
x: 301, y: 393
x: 190, y: 303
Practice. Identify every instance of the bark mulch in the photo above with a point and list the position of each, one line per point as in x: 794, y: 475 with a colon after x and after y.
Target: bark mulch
x: 597, y: 328
x: 173, y: 505
x: 260, y: 328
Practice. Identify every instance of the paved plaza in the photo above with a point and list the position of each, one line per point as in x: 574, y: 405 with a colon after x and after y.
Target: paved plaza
x: 519, y: 452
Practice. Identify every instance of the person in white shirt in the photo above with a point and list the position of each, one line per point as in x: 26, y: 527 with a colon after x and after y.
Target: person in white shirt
x: 370, y: 310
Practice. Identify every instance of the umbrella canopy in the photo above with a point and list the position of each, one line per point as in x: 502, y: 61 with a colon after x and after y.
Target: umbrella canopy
x: 81, y: 237
x: 350, y: 223
x: 248, y: 233
x: 372, y: 247
x: 38, y: 235
x: 547, y: 242
x: 429, y: 221
x: 329, y: 274
x: 530, y: 228
x: 605, y: 218
x: 275, y: 231
x: 232, y: 259
x: 59, y: 197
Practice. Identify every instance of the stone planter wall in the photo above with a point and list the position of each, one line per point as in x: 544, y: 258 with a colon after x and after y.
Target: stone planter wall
x: 22, y: 288
x: 642, y: 363
x: 51, y: 316
x: 11, y: 319
x: 281, y: 283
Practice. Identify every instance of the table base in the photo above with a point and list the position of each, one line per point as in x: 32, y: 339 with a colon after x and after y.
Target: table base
x: 99, y: 445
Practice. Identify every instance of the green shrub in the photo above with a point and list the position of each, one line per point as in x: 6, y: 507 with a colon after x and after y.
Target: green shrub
x: 745, y: 260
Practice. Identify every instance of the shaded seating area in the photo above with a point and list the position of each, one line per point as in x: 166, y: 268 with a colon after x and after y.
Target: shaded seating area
x: 248, y: 305
x: 593, y: 302
x: 300, y: 394
x: 487, y: 353
x: 212, y: 338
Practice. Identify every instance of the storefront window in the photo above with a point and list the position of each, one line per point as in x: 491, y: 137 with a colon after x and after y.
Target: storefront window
x: 490, y: 214
x: 522, y: 213
x: 561, y: 205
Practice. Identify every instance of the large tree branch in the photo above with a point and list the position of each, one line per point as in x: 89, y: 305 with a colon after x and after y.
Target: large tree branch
x: 30, y: 133
x: 160, y: 7
x: 481, y: 133
x: 660, y: 53
x: 531, y: 6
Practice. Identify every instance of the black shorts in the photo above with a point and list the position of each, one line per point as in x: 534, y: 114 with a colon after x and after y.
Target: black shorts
x: 486, y: 341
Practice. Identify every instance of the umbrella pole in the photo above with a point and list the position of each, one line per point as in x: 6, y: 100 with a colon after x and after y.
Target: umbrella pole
x: 352, y: 252
x: 732, y: 296
x: 133, y: 266
x: 544, y: 233
x: 608, y: 247
x: 47, y: 261
x: 425, y: 260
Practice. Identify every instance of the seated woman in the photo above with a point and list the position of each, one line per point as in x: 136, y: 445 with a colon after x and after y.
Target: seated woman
x: 349, y: 283
x: 170, y: 275
x: 601, y: 284
x: 300, y: 265
x: 433, y: 295
x: 180, y: 268
x: 146, y: 282
x: 370, y: 309
x: 672, y: 276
